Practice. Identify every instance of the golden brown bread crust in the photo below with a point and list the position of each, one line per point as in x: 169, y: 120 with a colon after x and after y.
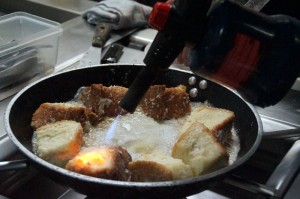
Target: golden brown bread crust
x: 85, y: 96
x: 52, y: 112
x: 102, y: 100
x: 177, y: 102
x: 153, y: 103
x: 159, y: 102
x: 148, y: 171
x: 163, y: 103
x: 115, y: 94
x: 114, y: 168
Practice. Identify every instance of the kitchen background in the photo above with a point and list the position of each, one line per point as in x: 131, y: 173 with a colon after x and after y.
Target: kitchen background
x: 272, y: 172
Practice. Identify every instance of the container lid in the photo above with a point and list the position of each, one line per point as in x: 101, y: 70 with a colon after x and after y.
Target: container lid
x: 20, y: 28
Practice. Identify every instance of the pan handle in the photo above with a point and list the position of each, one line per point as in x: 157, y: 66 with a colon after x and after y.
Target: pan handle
x: 13, y: 165
x: 279, y: 181
x: 290, y: 133
x: 251, y: 186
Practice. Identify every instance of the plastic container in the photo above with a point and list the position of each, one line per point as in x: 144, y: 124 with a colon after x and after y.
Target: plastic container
x: 28, y: 47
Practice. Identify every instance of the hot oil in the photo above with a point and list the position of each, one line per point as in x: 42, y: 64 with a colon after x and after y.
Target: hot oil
x: 234, y: 147
x: 141, y: 135
x: 136, y: 132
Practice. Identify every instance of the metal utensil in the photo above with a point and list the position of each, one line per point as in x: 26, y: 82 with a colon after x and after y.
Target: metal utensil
x: 93, y: 55
x: 256, y: 5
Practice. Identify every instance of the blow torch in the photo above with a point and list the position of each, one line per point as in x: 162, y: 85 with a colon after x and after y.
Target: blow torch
x: 252, y: 52
x: 178, y: 24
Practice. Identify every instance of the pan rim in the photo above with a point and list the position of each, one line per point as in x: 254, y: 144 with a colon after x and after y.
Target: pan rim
x: 210, y: 176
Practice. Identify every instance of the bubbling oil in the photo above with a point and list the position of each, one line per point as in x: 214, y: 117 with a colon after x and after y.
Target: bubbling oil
x: 140, y: 134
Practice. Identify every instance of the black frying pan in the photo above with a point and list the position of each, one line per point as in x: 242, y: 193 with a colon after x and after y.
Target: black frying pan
x: 62, y: 87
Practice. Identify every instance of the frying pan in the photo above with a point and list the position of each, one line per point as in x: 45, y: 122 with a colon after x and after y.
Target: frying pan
x: 63, y: 86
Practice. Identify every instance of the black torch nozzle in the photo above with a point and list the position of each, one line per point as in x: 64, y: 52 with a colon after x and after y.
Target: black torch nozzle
x: 163, y: 51
x: 138, y: 88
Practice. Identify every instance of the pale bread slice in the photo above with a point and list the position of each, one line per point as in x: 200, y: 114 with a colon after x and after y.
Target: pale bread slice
x: 58, y: 142
x: 218, y: 121
x: 164, y: 167
x: 198, y: 148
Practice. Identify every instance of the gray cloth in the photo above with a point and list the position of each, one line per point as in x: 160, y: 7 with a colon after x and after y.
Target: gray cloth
x: 119, y: 13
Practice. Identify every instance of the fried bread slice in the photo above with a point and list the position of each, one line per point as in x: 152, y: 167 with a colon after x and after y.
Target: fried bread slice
x: 163, y: 103
x: 149, y: 171
x: 58, y: 142
x: 219, y: 121
x: 103, y: 100
x: 53, y: 112
x: 163, y: 167
x: 102, y: 162
x: 199, y: 148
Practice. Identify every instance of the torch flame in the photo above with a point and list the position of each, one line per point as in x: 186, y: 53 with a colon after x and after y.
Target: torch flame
x: 92, y: 156
x: 112, y: 129
x: 92, y: 159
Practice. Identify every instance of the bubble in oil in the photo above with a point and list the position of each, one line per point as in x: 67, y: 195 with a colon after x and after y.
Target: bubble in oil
x: 140, y: 134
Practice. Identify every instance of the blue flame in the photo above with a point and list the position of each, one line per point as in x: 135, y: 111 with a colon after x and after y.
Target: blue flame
x: 112, y: 129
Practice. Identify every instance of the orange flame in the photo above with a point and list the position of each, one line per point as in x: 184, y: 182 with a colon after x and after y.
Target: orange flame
x: 91, y: 158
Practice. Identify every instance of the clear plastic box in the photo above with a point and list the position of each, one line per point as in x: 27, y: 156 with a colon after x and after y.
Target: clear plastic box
x: 28, y: 47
